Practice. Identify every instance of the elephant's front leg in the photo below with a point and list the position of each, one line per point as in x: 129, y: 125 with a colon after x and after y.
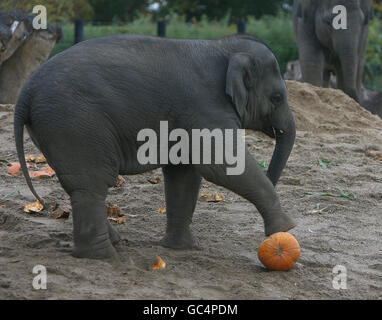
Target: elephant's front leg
x: 254, y: 186
x: 182, y: 184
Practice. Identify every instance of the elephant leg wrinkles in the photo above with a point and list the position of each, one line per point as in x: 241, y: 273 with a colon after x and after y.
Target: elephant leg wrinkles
x: 93, y: 235
x: 182, y: 184
x: 254, y: 186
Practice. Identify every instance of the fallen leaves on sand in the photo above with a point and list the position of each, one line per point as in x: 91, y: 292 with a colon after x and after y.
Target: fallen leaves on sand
x: 120, y: 182
x: 30, y: 158
x: 159, y: 264
x: 212, y: 197
x: 43, y: 173
x: 33, y: 158
x: 3, y: 199
x: 114, y: 214
x: 113, y: 210
x: 40, y: 159
x: 207, y: 185
x: 33, y: 207
x: 342, y: 194
x: 119, y: 220
x: 347, y: 194
x: 58, y: 212
x: 376, y: 155
x: 263, y: 164
x: 14, y: 168
x: 318, y: 210
x: 162, y: 210
x: 324, y: 163
x: 154, y: 180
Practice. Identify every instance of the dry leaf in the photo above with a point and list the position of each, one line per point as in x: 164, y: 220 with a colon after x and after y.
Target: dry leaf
x: 204, y: 196
x: 59, y: 213
x: 212, y: 197
x: 113, y: 210
x: 377, y: 155
x: 217, y: 198
x: 159, y: 264
x: 119, y: 220
x: 43, y: 173
x: 14, y: 169
x: 154, y: 181
x: 207, y: 185
x: 162, y: 210
x: 120, y: 182
x: 30, y: 158
x: 40, y: 159
x: 33, y: 207
x: 49, y: 170
x: 56, y: 212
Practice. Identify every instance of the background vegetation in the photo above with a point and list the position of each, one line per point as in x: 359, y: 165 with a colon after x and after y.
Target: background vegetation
x: 203, y: 19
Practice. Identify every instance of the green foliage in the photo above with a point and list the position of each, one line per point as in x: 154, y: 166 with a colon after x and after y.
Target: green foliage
x: 276, y: 31
x: 218, y: 9
x: 117, y: 10
x: 57, y: 10
x: 373, y: 67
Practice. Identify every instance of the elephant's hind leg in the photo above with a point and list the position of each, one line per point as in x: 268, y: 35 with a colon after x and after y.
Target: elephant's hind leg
x: 113, y: 234
x: 92, y: 234
x: 182, y: 184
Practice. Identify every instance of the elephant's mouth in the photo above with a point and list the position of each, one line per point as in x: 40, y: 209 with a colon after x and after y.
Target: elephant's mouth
x: 3, y: 46
x: 272, y: 132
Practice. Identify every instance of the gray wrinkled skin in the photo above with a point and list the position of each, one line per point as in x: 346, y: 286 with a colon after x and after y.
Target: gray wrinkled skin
x: 323, y: 49
x: 85, y: 107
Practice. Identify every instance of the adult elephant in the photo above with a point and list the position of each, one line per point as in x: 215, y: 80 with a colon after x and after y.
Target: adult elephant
x: 324, y: 49
x: 86, y: 106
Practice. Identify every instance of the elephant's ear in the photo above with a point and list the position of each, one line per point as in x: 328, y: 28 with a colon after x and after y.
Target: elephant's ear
x: 239, y: 81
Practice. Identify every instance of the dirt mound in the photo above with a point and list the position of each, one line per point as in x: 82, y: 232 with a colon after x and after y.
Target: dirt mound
x: 329, y: 111
x: 331, y: 186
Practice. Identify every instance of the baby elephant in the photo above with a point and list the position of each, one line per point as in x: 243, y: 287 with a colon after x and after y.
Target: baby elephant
x: 85, y: 108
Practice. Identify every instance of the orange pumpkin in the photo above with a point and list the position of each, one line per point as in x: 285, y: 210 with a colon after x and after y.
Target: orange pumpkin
x: 279, y: 252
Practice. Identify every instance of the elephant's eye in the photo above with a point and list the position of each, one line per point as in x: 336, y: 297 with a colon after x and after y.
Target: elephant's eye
x: 277, y: 98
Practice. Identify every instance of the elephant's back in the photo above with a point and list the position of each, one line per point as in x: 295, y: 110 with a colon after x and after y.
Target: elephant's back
x: 128, y: 70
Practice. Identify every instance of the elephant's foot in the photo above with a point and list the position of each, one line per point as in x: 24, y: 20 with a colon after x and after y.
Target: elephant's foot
x: 113, y: 234
x: 108, y: 252
x: 280, y: 224
x: 99, y: 250
x: 180, y: 240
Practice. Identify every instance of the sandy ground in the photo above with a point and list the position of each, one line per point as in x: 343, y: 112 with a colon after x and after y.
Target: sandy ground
x: 348, y: 232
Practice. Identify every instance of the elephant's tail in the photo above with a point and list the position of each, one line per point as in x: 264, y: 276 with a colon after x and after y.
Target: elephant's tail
x: 21, y: 117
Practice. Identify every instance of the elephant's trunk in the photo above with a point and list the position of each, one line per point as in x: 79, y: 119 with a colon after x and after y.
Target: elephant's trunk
x: 347, y: 47
x: 284, y: 145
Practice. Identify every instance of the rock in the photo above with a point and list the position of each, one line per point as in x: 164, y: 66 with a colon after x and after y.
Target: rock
x: 22, y: 50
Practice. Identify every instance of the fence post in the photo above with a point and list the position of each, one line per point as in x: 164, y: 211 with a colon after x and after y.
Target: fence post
x: 78, y: 31
x: 241, y: 27
x: 162, y: 28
